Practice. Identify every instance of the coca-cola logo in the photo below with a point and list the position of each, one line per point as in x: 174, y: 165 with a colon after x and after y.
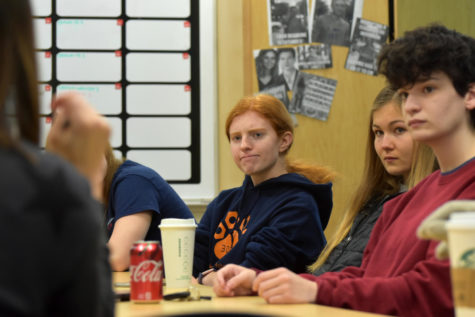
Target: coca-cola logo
x: 146, y: 271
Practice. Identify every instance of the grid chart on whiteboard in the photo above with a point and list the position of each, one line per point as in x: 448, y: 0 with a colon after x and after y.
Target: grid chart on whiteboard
x: 137, y: 62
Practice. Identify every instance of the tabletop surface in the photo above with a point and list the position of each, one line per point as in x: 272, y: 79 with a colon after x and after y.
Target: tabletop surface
x: 245, y: 304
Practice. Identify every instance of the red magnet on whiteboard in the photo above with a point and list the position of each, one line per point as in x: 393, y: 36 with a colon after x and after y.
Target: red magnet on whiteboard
x: 48, y: 120
x: 187, y: 88
x: 48, y: 20
x: 187, y: 24
x: 186, y: 55
x: 120, y: 22
x: 47, y: 87
x: 118, y: 86
x: 47, y: 54
x: 118, y: 53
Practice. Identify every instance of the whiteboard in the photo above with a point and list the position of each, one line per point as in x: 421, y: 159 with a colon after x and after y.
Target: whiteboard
x: 165, y: 67
x: 169, y: 164
x: 89, y: 8
x: 88, y: 34
x: 105, y: 98
x: 41, y: 7
x: 167, y: 35
x: 149, y: 66
x: 43, y: 59
x: 158, y: 8
x: 45, y: 95
x: 79, y: 66
x: 159, y: 132
x: 159, y: 99
x: 116, y: 128
x: 43, y: 33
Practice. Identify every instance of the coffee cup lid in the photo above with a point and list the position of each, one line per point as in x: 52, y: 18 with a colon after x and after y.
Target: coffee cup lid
x: 462, y: 215
x: 177, y: 222
x: 461, y: 220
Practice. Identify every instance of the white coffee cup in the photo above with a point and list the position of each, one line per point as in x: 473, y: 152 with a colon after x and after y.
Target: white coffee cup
x: 178, y: 243
x: 461, y: 238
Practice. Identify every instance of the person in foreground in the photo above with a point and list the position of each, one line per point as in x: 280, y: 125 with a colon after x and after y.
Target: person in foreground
x: 277, y: 217
x: 433, y: 69
x: 54, y: 256
x: 136, y: 198
x: 394, y: 163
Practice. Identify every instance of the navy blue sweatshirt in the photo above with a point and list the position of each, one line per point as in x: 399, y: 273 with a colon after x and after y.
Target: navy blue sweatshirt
x: 279, y: 222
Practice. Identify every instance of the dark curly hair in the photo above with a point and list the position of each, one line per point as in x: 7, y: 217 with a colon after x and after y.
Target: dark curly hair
x: 415, y: 56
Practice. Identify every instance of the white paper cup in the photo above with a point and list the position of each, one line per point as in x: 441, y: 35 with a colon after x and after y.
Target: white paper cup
x: 178, y: 243
x: 461, y: 238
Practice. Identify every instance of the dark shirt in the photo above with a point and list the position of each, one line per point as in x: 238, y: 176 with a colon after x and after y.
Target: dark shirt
x: 54, y: 254
x: 136, y: 188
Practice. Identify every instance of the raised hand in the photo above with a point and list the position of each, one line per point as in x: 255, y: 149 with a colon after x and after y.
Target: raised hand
x: 80, y: 135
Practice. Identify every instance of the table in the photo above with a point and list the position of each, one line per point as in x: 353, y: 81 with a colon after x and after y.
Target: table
x: 244, y: 304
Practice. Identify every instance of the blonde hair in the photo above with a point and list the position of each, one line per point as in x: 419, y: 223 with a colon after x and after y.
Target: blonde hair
x: 376, y: 181
x: 275, y: 112
x: 113, y: 164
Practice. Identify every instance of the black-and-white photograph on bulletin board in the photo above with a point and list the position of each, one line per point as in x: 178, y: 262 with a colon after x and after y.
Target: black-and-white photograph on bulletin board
x: 332, y: 21
x: 267, y: 68
x: 149, y: 67
x: 315, y: 56
x: 288, y: 21
x: 367, y: 42
x: 288, y: 68
x: 313, y: 96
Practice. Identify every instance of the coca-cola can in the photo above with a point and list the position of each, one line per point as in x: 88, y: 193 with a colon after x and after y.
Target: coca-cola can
x: 146, y: 272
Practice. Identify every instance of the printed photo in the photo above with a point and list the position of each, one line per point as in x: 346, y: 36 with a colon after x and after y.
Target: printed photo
x: 279, y: 92
x: 267, y: 68
x: 332, y: 21
x: 288, y: 22
x: 368, y: 39
x: 288, y: 68
x: 313, y: 96
x: 316, y: 56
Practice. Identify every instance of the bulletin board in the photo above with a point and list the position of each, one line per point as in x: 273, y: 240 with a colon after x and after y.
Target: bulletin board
x: 339, y: 142
x: 148, y: 66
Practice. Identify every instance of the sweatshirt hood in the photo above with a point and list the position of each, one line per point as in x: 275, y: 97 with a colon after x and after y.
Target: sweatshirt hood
x: 321, y: 193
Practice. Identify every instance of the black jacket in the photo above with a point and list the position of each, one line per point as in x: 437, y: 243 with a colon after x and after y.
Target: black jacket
x: 349, y: 252
x: 54, y: 255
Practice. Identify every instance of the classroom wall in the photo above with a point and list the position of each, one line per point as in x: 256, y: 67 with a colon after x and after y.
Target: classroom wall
x: 453, y: 14
x: 339, y: 142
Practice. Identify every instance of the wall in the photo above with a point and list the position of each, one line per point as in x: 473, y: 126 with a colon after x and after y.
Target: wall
x: 338, y: 142
x: 453, y: 14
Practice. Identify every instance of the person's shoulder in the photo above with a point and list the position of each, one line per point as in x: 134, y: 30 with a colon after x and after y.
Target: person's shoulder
x: 130, y: 169
x: 49, y: 183
x: 295, y: 180
x: 50, y: 167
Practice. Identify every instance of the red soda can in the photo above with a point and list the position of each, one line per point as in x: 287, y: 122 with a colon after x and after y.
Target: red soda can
x: 146, y: 272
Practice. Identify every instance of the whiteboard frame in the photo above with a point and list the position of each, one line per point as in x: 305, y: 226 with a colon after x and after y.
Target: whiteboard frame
x: 206, y: 190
